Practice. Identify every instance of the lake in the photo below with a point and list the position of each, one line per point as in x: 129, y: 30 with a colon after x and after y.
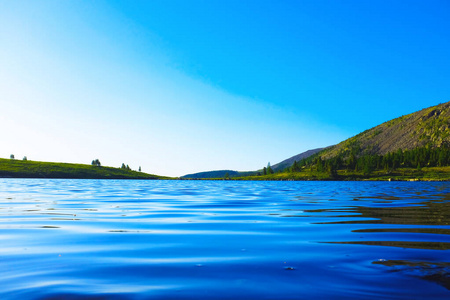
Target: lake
x: 125, y: 239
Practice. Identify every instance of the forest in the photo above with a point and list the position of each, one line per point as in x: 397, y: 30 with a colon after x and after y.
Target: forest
x: 367, y: 163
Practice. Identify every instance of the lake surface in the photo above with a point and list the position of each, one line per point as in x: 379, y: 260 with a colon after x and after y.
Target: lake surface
x: 120, y: 239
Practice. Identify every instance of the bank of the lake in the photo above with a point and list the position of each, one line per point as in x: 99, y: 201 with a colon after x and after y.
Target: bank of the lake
x: 400, y: 174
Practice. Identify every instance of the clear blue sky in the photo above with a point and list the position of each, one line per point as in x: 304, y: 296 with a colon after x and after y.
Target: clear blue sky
x: 186, y: 86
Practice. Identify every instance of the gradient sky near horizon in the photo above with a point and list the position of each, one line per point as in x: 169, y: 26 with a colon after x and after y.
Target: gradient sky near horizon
x: 179, y: 87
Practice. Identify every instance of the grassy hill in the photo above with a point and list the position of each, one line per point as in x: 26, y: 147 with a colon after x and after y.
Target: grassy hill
x: 428, y: 127
x: 411, y: 147
x: 10, y: 168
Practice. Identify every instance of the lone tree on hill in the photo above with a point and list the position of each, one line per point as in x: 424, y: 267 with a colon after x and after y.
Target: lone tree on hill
x: 96, y: 162
x: 11, y: 156
x: 25, y: 158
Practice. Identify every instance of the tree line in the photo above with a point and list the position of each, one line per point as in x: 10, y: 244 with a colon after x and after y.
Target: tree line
x: 367, y: 163
x: 96, y: 162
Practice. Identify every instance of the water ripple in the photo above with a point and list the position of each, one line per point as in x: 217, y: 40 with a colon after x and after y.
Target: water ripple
x: 223, y: 239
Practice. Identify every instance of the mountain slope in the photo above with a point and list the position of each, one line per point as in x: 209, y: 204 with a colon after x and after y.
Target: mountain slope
x: 413, y: 147
x: 427, y: 127
x: 290, y: 161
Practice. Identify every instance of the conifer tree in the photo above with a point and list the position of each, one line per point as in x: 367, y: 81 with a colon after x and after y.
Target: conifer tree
x: 269, y: 169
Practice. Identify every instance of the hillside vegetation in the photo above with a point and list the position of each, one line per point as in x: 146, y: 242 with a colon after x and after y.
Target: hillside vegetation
x: 11, y: 168
x: 412, y: 147
x: 429, y: 127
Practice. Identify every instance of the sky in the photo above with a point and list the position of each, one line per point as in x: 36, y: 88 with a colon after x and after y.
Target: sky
x: 179, y: 87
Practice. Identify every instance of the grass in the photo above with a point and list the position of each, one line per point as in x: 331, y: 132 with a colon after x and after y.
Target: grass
x: 10, y: 168
x: 401, y: 174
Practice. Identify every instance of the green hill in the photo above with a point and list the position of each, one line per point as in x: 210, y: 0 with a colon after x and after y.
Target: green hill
x: 10, y: 168
x: 411, y: 147
x: 429, y: 127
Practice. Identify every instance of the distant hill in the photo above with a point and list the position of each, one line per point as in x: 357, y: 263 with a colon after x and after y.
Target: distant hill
x: 429, y: 127
x: 290, y: 161
x: 277, y: 167
x: 11, y: 168
x: 212, y: 174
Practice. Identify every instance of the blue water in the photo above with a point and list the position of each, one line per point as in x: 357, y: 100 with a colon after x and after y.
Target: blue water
x: 120, y: 239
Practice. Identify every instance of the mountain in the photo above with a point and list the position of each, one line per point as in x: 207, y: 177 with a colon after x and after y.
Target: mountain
x: 429, y: 127
x: 277, y: 167
x: 290, y: 161
x: 212, y: 174
x: 412, y: 147
x: 218, y: 174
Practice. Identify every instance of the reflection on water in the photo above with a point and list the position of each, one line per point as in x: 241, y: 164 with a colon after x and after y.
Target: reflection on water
x: 424, y: 213
x: 434, y: 271
x: 403, y: 244
x: 222, y: 240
